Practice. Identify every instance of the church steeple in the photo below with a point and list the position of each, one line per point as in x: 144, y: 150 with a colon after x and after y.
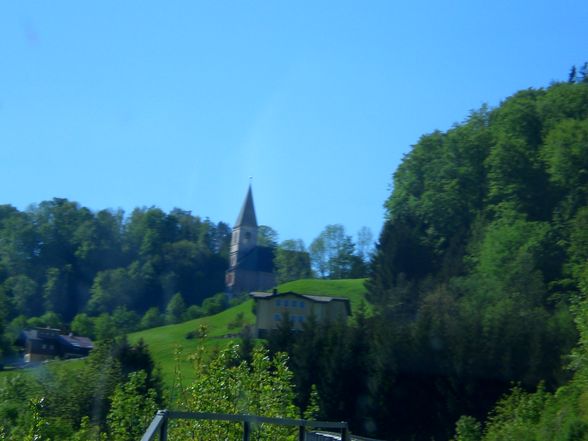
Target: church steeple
x: 247, y: 215
x: 250, y: 266
x: 244, y: 237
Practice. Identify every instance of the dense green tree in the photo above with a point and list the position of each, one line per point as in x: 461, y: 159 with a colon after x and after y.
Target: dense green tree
x: 83, y: 325
x: 214, y: 304
x: 151, y: 319
x: 55, y: 291
x: 111, y: 289
x: 104, y: 327
x: 175, y: 310
x: 267, y: 236
x: 133, y: 406
x: 292, y: 261
x: 125, y: 321
x: 332, y: 253
x: 224, y: 384
x: 23, y: 292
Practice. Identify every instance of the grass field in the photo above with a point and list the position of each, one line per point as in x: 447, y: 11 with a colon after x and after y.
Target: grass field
x: 163, y: 341
x: 352, y: 289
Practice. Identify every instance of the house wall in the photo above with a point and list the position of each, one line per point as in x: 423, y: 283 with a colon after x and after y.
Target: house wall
x: 271, y: 312
x: 40, y: 350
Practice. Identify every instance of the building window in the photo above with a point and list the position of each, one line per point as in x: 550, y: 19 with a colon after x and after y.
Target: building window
x: 302, y: 304
x: 286, y: 303
x: 277, y: 316
x: 278, y: 302
x: 301, y: 318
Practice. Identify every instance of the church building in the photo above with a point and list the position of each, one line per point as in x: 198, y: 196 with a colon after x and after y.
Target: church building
x: 251, y: 267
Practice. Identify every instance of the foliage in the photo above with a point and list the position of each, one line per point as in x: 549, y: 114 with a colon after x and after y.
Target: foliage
x: 175, y: 310
x: 267, y: 236
x: 132, y: 409
x: 71, y: 401
x: 292, y: 261
x: 225, y: 385
x: 59, y: 257
x: 332, y: 252
x: 151, y: 319
x: 477, y: 267
x: 480, y: 260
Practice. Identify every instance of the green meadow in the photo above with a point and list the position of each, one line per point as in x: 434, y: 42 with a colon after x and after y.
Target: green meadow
x: 165, y: 342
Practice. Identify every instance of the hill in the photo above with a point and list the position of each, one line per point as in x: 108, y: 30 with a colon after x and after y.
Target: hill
x: 352, y: 289
x: 164, y: 341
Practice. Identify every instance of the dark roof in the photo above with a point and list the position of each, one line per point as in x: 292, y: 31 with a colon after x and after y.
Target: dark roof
x: 77, y: 341
x: 45, y: 334
x: 258, y: 259
x: 312, y: 298
x: 247, y: 215
x: 40, y: 333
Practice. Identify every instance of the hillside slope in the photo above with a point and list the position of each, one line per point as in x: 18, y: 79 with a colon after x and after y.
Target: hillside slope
x: 165, y: 340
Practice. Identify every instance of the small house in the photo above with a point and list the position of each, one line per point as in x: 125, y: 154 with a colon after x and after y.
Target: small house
x: 272, y: 308
x: 42, y: 344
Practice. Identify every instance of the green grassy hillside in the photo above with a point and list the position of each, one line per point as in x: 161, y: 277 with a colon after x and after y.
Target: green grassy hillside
x: 164, y: 340
x: 352, y: 289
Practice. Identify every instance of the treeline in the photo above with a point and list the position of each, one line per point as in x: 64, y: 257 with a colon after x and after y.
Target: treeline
x: 103, y: 274
x: 333, y: 254
x: 482, y: 259
x: 59, y: 260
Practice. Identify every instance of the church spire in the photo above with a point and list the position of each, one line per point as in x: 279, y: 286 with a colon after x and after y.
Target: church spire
x: 247, y: 215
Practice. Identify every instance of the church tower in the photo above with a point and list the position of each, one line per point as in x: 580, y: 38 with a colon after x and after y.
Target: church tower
x: 244, y: 238
x: 251, y: 267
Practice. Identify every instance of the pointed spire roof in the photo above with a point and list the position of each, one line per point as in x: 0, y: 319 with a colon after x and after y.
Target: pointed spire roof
x: 247, y: 214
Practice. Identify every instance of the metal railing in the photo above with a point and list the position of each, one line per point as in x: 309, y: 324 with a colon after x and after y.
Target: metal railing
x: 159, y: 424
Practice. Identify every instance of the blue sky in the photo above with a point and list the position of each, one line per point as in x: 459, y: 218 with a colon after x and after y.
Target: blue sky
x: 120, y: 104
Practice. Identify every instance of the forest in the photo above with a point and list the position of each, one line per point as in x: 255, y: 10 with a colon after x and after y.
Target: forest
x: 477, y: 326
x: 478, y: 284
x: 63, y: 265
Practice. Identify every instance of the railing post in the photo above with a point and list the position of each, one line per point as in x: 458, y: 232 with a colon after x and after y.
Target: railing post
x: 246, y: 430
x: 301, y: 433
x: 344, y: 434
x: 163, y: 431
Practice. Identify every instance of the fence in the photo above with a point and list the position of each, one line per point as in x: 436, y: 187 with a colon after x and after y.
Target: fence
x: 159, y: 424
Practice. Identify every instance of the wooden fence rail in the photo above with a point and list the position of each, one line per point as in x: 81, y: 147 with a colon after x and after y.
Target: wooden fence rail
x: 159, y: 424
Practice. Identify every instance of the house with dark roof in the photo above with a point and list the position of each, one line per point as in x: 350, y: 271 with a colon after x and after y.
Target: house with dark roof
x: 251, y: 267
x: 271, y: 309
x: 42, y: 344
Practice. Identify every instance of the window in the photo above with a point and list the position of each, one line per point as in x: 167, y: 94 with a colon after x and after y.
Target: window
x: 302, y: 304
x: 286, y: 303
x: 277, y: 316
x: 278, y: 302
x: 301, y: 318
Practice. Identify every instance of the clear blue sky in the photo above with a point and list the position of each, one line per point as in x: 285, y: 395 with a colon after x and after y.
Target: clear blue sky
x: 176, y: 103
